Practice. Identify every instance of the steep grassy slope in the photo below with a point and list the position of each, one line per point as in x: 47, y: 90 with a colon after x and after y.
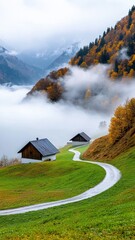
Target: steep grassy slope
x: 109, y: 215
x: 27, y: 184
x: 102, y: 149
x: 121, y: 134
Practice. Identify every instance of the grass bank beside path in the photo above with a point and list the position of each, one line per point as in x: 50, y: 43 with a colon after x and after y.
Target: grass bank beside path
x: 28, y: 184
x: 82, y: 149
x: 108, y: 216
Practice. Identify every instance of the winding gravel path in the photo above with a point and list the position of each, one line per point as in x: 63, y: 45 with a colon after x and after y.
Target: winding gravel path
x: 112, y: 176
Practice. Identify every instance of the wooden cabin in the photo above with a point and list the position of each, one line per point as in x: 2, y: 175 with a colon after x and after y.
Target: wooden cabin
x: 38, y: 150
x: 79, y: 139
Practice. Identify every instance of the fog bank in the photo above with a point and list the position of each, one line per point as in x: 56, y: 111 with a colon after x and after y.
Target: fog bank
x: 93, y: 89
x: 21, y: 122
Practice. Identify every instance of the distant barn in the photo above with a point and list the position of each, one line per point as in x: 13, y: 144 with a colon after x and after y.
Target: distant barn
x: 80, y: 139
x: 38, y: 150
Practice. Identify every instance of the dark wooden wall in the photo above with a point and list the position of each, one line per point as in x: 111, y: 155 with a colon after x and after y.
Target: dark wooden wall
x: 30, y: 152
x: 78, y: 138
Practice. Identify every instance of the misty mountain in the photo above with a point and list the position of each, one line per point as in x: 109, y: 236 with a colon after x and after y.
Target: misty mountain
x: 15, y: 71
x: 64, y: 57
x: 116, y: 47
x: 87, y: 80
x: 50, y: 59
x: 3, y: 50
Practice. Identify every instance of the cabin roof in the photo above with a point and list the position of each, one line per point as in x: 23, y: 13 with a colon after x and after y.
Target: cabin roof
x: 82, y: 134
x: 44, y: 146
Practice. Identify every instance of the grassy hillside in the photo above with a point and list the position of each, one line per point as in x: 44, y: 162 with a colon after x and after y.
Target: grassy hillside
x: 121, y: 136
x: 102, y: 149
x: 27, y: 184
x: 109, y: 215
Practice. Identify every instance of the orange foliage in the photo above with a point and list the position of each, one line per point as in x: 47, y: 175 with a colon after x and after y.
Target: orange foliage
x: 51, y: 85
x: 123, y: 120
x: 54, y: 92
x: 106, y: 49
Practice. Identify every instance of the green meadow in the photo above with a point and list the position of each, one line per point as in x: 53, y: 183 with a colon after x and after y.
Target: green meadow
x: 110, y: 215
x: 27, y: 184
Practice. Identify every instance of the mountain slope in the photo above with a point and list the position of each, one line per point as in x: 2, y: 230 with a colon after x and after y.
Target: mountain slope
x: 116, y: 49
x: 64, y: 57
x: 14, y: 71
x: 50, y: 85
x: 121, y: 135
x: 50, y: 59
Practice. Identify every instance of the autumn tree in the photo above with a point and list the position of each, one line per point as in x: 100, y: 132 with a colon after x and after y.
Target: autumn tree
x: 122, y: 121
x: 54, y: 92
x: 106, y: 48
x: 84, y: 65
x: 104, y: 57
x: 129, y: 20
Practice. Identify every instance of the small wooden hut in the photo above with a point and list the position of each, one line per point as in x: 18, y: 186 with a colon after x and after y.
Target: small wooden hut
x: 38, y: 150
x: 79, y: 139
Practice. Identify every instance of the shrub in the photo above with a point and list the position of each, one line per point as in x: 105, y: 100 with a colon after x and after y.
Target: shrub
x: 9, y: 162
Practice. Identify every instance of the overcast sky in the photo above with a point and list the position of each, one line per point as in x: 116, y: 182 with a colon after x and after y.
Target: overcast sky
x: 34, y: 24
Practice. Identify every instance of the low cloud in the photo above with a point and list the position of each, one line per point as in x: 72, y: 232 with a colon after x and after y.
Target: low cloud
x: 93, y: 90
x: 123, y: 54
x: 22, y: 121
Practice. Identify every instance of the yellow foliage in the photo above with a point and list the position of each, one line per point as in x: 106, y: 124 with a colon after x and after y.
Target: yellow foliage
x: 123, y: 120
x: 114, y: 75
x: 84, y: 65
x: 106, y: 49
x: 87, y: 94
x: 131, y: 73
x: 125, y: 73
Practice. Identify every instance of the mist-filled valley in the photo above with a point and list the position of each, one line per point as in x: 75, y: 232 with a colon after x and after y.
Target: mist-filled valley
x: 67, y: 119
x: 83, y: 88
x: 23, y: 120
x: 92, y: 89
